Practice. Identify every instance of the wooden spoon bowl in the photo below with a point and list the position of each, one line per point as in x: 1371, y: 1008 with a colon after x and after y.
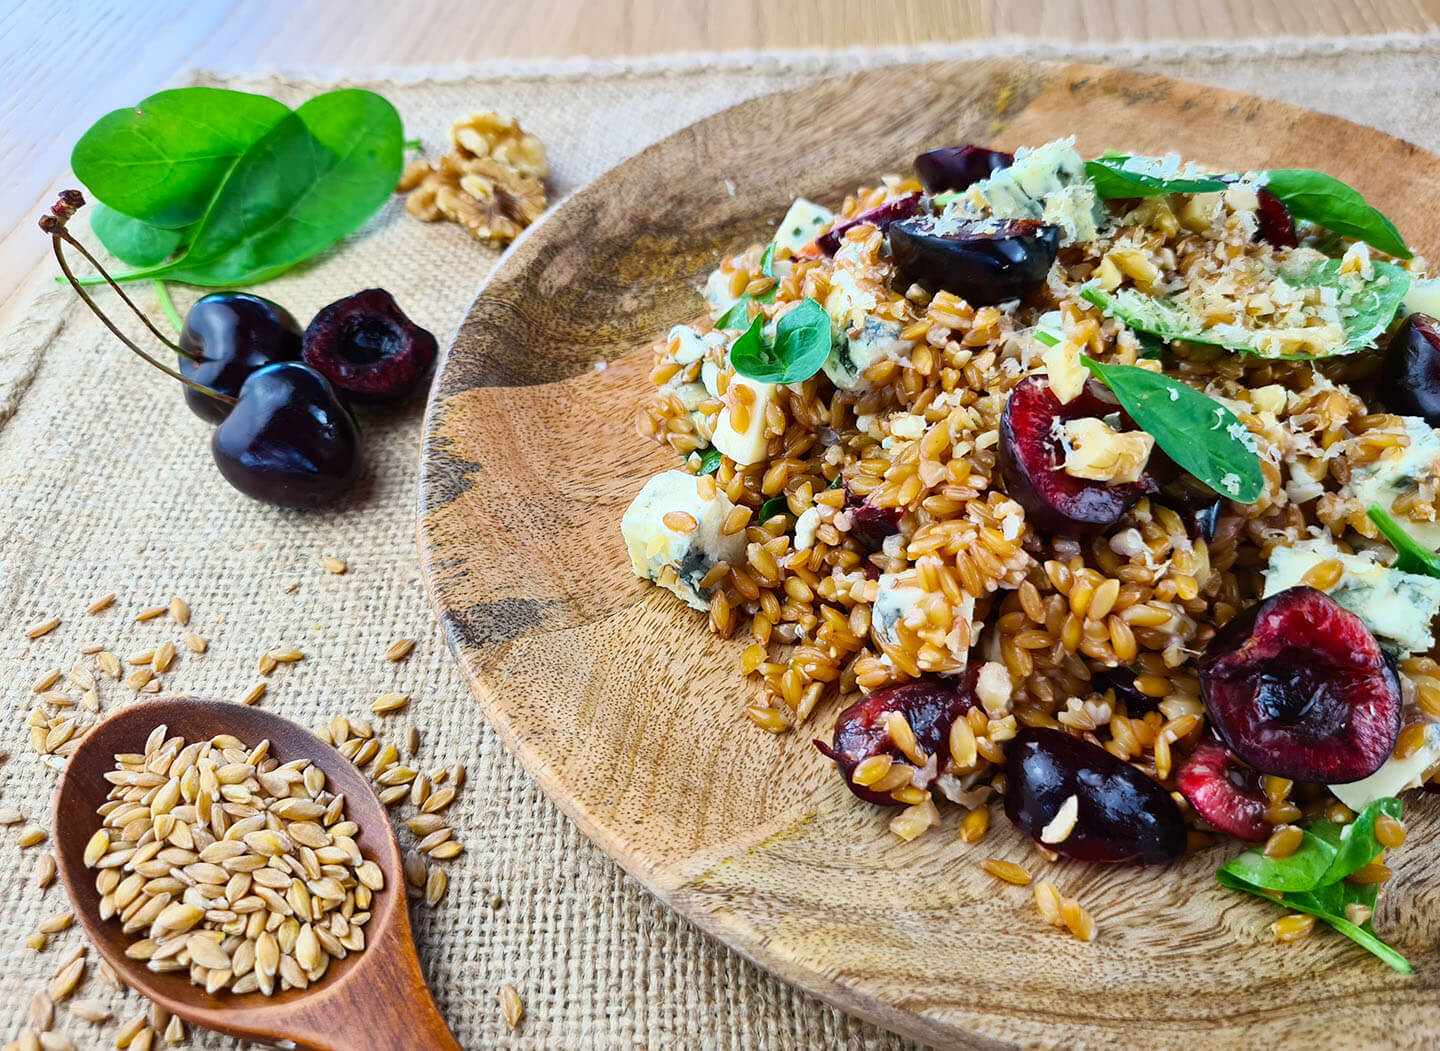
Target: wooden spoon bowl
x: 376, y: 998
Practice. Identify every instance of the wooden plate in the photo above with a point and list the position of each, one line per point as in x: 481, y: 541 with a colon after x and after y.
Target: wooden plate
x: 627, y: 710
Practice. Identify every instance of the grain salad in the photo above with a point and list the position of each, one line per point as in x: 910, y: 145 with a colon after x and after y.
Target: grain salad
x: 1105, y: 487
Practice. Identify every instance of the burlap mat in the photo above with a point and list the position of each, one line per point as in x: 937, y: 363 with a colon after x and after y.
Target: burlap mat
x: 106, y: 484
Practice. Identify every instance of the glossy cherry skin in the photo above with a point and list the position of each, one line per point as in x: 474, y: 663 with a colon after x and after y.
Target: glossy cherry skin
x: 233, y: 334
x: 1410, y: 377
x: 1298, y: 687
x: 290, y: 440
x: 881, y: 216
x: 1123, y: 816
x: 1275, y: 225
x: 959, y: 167
x: 982, y: 261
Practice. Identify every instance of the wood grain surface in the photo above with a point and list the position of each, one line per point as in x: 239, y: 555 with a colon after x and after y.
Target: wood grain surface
x: 374, y: 998
x: 629, y: 712
x: 64, y: 63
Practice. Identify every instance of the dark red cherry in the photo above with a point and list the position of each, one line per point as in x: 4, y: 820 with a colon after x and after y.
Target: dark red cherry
x: 881, y: 216
x: 983, y: 261
x: 1299, y: 688
x: 1031, y: 455
x: 289, y: 440
x: 958, y: 167
x: 368, y: 348
x: 929, y: 705
x: 231, y: 334
x: 1410, y: 376
x: 1276, y: 226
x: 1121, y: 815
x: 870, y: 525
x: 1224, y: 791
x: 1122, y: 681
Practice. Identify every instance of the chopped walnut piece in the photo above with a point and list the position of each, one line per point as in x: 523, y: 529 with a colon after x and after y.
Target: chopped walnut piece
x: 491, y: 183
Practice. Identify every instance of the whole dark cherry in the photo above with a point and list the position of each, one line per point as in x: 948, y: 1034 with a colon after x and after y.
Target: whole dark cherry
x: 958, y: 167
x: 228, y: 335
x: 368, y: 348
x: 289, y: 440
x: 1410, y: 376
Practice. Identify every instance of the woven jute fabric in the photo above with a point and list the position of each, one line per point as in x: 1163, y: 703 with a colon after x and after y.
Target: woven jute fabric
x: 106, y: 485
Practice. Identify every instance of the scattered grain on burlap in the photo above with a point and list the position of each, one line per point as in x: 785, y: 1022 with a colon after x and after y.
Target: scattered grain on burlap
x: 108, y: 487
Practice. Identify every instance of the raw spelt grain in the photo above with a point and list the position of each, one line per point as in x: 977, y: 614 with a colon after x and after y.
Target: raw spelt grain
x: 1006, y: 870
x: 253, y: 695
x: 511, y: 1008
x: 334, y: 565
x: 399, y: 649
x: 151, y: 613
x: 194, y: 643
x: 42, y: 628
x: 104, y: 602
x: 390, y: 702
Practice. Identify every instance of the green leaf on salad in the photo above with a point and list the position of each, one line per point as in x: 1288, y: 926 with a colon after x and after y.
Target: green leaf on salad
x: 1193, y: 429
x: 1411, y: 556
x: 738, y: 316
x: 1117, y: 175
x: 1324, y: 199
x: 802, y: 343
x: 710, y: 460
x: 1312, y: 880
x: 739, y: 313
x: 776, y: 505
x: 767, y: 267
x: 162, y: 159
x: 132, y: 241
x: 1365, y: 311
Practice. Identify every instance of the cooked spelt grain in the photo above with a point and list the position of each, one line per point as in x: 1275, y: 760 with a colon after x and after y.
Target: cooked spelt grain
x: 1006, y: 870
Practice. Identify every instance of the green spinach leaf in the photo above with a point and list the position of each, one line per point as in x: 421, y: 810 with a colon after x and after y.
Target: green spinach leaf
x: 132, y: 241
x: 313, y: 178
x: 1116, y: 175
x: 1303, y: 870
x: 802, y: 343
x: 1325, y: 200
x: 1194, y: 430
x: 776, y: 505
x: 161, y: 160
x: 1410, y: 555
x: 710, y: 460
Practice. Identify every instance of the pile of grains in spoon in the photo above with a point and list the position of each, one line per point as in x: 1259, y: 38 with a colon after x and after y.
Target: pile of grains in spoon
x: 230, y: 865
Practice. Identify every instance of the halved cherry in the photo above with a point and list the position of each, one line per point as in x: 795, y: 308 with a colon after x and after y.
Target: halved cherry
x: 1224, y: 791
x: 983, y: 261
x: 881, y: 216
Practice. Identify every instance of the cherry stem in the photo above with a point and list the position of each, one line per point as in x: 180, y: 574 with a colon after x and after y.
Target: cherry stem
x: 59, y: 234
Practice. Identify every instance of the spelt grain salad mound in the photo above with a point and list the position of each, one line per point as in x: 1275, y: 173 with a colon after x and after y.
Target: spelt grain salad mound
x: 1104, y: 487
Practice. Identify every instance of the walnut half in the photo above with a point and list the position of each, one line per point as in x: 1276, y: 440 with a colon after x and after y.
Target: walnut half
x: 491, y: 183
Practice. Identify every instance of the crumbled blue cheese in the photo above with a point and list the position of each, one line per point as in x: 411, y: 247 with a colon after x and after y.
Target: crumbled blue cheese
x: 691, y: 345
x: 1394, y: 775
x: 653, y: 544
x: 802, y: 223
x: 746, y: 446
x: 1423, y: 298
x: 847, y: 303
x: 892, y: 602
x: 1047, y: 183
x: 1384, y: 480
x: 875, y: 340
x: 1396, y: 606
x: 717, y: 293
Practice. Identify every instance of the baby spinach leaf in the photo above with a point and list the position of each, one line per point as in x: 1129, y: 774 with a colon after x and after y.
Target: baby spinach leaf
x: 1358, y: 845
x: 1410, y: 555
x: 1194, y: 430
x: 313, y: 178
x: 1325, y: 200
x: 776, y: 505
x: 132, y: 241
x: 710, y: 460
x: 1366, y: 310
x: 802, y: 343
x: 161, y: 160
x: 1116, y: 175
x: 1303, y: 870
x: 767, y: 267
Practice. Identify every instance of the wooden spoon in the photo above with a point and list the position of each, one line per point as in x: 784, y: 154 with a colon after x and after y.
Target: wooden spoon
x: 375, y: 998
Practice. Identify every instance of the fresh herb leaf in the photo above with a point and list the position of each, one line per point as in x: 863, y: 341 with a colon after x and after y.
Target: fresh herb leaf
x: 1410, y: 555
x: 313, y: 178
x: 1112, y: 178
x: 738, y: 316
x: 132, y: 241
x: 161, y: 160
x: 1324, y: 199
x: 767, y: 267
x: 1365, y: 312
x: 1194, y: 430
x: 776, y: 505
x: 1312, y: 880
x: 802, y: 343
x: 710, y: 460
x: 1050, y: 328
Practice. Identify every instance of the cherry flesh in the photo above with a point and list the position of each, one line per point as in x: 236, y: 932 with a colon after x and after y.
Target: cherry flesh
x: 366, y: 346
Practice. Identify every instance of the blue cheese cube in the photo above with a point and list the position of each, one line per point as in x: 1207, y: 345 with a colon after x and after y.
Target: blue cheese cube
x: 1047, y: 183
x: 802, y: 223
x: 1386, y: 479
x: 874, y: 340
x: 1396, y: 606
x: 690, y: 550
x: 895, y: 599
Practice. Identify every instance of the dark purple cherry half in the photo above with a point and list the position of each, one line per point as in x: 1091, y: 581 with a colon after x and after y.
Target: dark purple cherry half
x: 958, y: 167
x: 983, y: 261
x: 230, y: 335
x: 1031, y: 455
x: 1122, y: 816
x: 929, y: 705
x: 1224, y: 791
x: 1299, y: 688
x: 1276, y: 227
x: 1410, y: 376
x: 881, y: 216
x: 289, y: 440
x: 870, y: 525
x: 368, y: 348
